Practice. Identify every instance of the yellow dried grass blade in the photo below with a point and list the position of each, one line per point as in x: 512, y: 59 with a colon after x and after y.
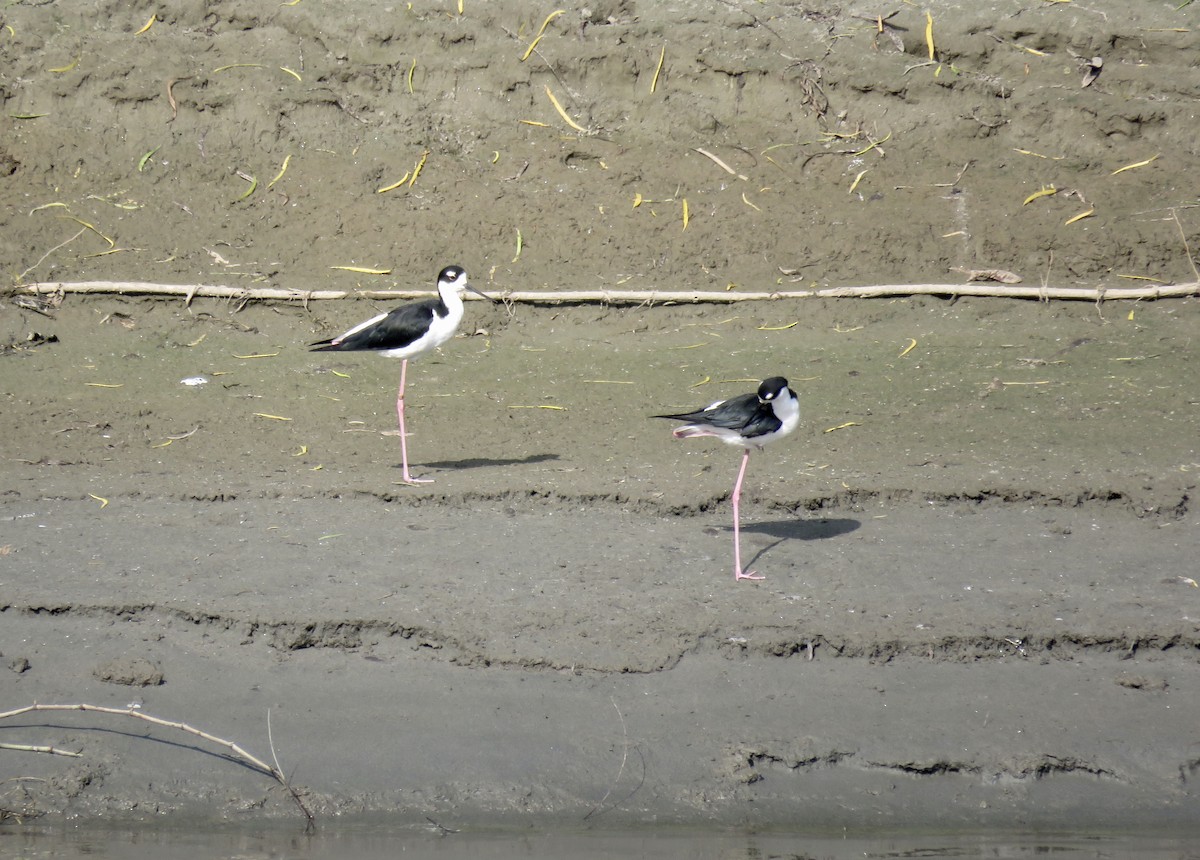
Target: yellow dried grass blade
x: 1045, y: 191
x: 147, y: 25
x: 61, y: 69
x: 417, y: 169
x: 1134, y: 165
x: 1079, y: 217
x: 540, y: 31
x: 929, y: 34
x: 657, y: 69
x: 874, y: 144
x: 282, y: 170
x: 1039, y: 155
x: 1028, y: 50
x: 253, y: 185
x: 394, y: 185
x: 91, y: 227
x: 362, y: 270
x: 566, y: 117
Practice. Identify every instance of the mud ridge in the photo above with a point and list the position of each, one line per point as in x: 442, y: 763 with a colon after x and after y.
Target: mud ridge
x: 956, y: 649
x: 368, y: 636
x: 751, y: 764
x: 849, y: 501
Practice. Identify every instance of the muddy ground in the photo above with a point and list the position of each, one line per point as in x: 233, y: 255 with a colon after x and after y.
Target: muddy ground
x: 980, y: 607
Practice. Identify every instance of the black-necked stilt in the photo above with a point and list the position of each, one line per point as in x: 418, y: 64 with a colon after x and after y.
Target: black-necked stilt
x: 407, y: 332
x: 748, y: 421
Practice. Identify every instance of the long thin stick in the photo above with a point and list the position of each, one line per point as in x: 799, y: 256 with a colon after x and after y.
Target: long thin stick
x: 188, y: 291
x: 256, y: 763
x: 40, y: 749
x: 246, y: 758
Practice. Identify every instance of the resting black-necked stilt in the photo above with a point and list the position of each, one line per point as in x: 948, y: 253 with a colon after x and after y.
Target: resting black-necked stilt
x: 748, y: 421
x: 407, y: 332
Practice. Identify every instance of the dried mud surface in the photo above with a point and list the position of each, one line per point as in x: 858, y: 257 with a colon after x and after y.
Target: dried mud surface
x: 980, y: 606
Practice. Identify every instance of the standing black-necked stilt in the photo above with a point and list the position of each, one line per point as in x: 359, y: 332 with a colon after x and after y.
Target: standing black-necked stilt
x: 407, y: 332
x: 748, y: 421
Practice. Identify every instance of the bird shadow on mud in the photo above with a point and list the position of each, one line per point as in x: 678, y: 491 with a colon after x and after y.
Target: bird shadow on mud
x: 481, y: 462
x: 785, y: 530
x: 802, y: 529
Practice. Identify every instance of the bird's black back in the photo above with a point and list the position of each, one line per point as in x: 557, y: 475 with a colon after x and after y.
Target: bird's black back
x: 396, y: 330
x: 736, y: 413
x: 748, y: 415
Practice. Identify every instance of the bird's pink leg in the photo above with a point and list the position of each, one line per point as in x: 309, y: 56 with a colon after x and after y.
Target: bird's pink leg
x: 408, y: 479
x: 737, y: 533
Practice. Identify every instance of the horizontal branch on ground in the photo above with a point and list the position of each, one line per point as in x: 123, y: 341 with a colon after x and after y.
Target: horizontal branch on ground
x: 980, y: 289
x: 40, y: 749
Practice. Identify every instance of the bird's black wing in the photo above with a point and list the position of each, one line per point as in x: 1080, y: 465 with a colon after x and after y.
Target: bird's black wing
x: 763, y: 421
x: 395, y: 330
x: 736, y: 413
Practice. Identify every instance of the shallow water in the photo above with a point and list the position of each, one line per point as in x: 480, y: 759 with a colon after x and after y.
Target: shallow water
x: 355, y: 843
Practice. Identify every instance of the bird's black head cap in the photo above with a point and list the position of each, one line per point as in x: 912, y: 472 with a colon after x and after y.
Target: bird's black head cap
x: 771, y: 388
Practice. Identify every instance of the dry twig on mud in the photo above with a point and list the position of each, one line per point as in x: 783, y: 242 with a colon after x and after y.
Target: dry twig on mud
x: 42, y: 259
x: 1187, y: 250
x: 236, y: 751
x: 636, y: 297
x: 620, y: 770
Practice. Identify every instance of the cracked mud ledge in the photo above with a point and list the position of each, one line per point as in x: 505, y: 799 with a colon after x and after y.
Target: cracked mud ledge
x: 378, y: 637
x: 983, y: 533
